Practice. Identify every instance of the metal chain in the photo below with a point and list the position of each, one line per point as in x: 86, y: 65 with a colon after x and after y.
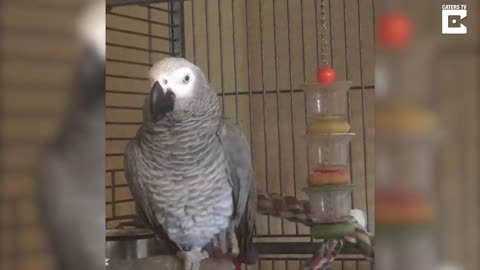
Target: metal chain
x: 323, y: 34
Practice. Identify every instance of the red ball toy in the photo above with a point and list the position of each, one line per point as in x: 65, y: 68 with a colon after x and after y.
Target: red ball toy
x: 325, y: 75
x: 394, y: 30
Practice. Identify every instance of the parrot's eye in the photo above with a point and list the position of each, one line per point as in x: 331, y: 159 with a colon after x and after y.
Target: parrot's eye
x: 186, y: 79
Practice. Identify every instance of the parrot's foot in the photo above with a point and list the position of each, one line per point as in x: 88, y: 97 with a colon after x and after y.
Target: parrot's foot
x: 192, y: 259
x: 234, y: 243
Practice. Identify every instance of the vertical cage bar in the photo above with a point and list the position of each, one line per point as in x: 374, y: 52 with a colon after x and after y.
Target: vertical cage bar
x: 331, y: 31
x: 235, y: 62
x: 194, y: 49
x: 114, y: 184
x: 291, y: 107
x: 208, y: 40
x: 177, y: 32
x: 316, y: 33
x: 365, y: 167
x: 249, y: 86
x: 373, y: 23
x: 349, y: 111
x: 264, y: 105
x: 221, y: 54
x: 171, y: 29
x: 278, y: 108
x: 304, y: 69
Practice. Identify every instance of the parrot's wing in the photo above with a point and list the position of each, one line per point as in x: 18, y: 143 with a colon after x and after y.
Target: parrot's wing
x: 143, y: 206
x: 241, y: 178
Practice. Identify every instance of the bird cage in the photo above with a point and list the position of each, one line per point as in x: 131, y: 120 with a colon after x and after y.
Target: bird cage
x: 257, y: 55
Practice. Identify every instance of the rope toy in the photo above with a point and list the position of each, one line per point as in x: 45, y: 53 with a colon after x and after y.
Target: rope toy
x: 299, y: 211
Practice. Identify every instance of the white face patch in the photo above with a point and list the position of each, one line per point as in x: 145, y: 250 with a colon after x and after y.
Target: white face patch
x: 180, y: 81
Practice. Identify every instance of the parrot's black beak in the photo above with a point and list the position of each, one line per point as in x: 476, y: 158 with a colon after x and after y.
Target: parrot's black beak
x: 161, y: 102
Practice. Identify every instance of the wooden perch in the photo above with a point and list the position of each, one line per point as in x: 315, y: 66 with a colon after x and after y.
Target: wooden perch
x: 166, y: 263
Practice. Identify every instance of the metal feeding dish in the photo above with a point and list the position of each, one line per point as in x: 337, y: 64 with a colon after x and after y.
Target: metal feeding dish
x: 132, y: 243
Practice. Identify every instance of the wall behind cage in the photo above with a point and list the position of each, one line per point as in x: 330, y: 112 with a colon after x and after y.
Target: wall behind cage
x: 256, y: 54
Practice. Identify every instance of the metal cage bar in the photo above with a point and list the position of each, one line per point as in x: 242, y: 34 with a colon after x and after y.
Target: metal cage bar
x: 177, y: 30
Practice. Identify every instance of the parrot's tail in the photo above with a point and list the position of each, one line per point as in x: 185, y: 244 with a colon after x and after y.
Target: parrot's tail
x: 245, y: 232
x: 248, y: 257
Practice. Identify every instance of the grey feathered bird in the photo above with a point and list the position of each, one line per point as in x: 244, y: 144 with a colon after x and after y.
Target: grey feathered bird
x: 189, y: 169
x: 69, y: 176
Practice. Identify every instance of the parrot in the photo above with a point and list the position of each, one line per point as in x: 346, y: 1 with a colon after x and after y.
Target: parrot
x: 189, y: 168
x: 69, y: 187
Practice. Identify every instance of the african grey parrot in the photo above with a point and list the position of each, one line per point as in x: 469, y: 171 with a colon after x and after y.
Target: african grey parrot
x: 69, y: 176
x: 189, y: 169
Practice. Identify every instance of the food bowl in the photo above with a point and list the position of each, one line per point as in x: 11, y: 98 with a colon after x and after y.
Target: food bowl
x: 329, y: 149
x: 326, y: 100
x: 330, y: 203
x: 132, y: 243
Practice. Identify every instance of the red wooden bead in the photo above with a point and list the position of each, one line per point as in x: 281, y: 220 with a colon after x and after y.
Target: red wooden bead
x: 325, y: 75
x: 394, y: 30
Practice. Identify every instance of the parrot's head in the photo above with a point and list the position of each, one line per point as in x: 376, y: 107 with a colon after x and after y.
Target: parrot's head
x: 178, y: 86
x: 91, y: 27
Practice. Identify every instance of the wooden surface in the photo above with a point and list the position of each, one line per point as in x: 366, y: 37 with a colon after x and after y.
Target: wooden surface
x: 166, y: 263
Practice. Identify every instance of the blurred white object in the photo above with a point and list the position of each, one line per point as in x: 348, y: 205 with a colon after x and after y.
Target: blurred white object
x: 381, y: 80
x: 447, y: 266
x: 359, y: 216
x: 91, y: 26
